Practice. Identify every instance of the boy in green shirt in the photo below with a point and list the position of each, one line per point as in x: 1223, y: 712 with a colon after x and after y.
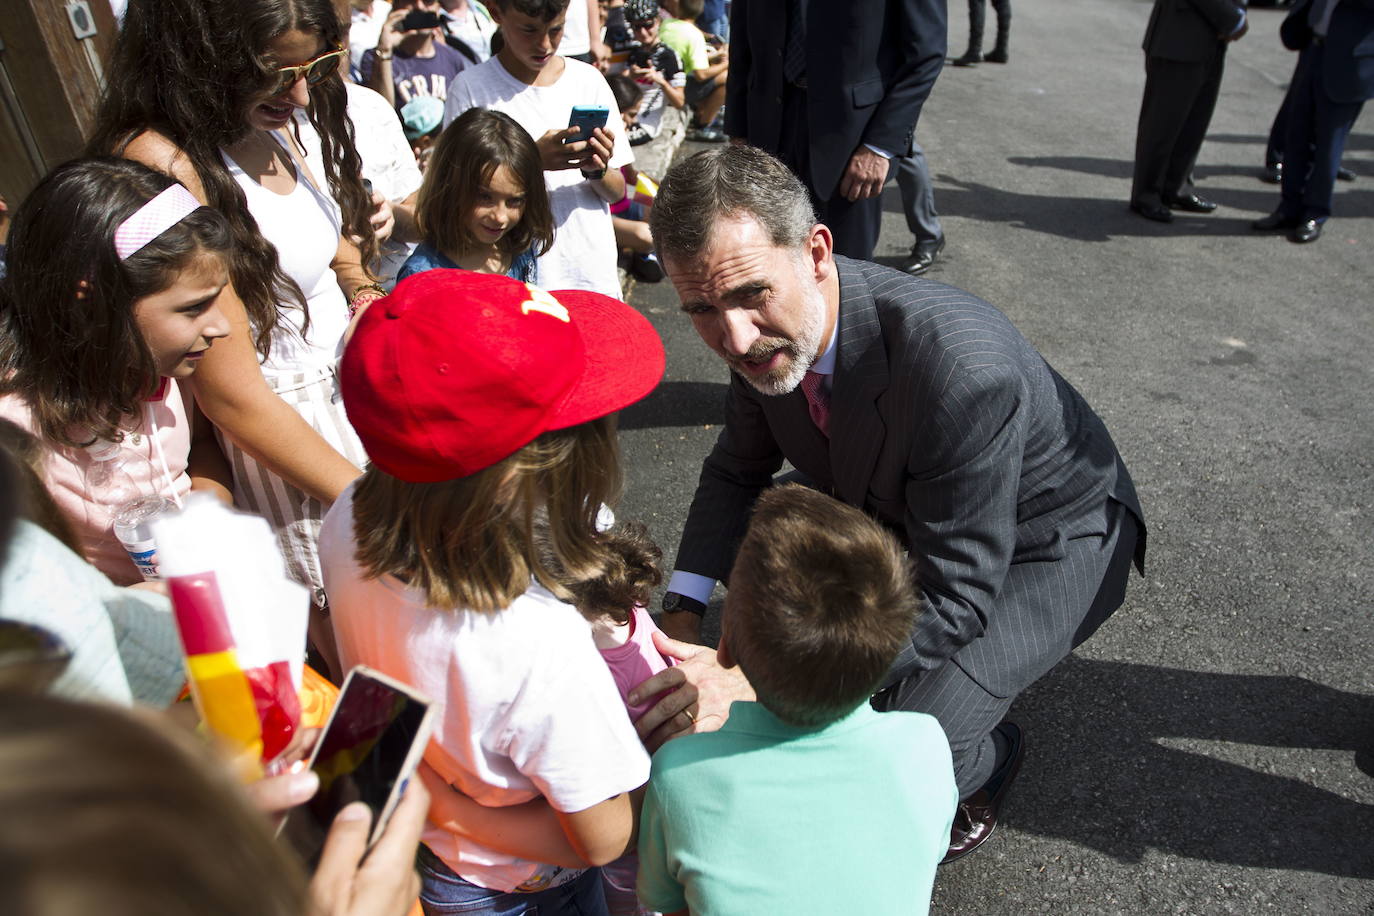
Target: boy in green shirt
x: 806, y: 801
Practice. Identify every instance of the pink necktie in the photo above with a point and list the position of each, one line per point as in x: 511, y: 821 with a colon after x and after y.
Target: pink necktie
x: 817, y: 400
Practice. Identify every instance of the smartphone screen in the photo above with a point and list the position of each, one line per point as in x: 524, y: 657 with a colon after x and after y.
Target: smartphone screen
x: 364, y: 751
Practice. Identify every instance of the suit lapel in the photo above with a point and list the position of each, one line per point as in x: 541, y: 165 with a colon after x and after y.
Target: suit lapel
x: 857, y: 430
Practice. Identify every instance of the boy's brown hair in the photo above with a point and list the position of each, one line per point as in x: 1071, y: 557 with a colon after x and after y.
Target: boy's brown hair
x: 546, y: 10
x: 821, y: 600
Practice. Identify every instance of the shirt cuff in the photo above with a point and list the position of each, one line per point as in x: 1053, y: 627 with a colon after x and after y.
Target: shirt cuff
x: 881, y: 152
x: 1239, y: 25
x: 692, y: 585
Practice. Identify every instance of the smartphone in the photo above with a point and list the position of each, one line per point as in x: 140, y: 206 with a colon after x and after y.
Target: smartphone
x: 419, y: 19
x: 589, y: 118
x: 368, y: 752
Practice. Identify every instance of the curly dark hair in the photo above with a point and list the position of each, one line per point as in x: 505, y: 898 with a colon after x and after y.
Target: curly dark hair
x: 69, y: 342
x: 631, y: 573
x: 190, y: 70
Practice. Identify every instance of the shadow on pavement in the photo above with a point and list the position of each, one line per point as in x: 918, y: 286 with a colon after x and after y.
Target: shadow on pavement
x: 1098, y: 771
x: 677, y: 404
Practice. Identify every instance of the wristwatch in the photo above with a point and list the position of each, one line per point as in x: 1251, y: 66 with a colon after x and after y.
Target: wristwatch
x: 673, y: 603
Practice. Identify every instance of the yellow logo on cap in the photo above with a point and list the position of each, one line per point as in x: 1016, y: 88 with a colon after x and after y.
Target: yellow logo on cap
x: 541, y: 301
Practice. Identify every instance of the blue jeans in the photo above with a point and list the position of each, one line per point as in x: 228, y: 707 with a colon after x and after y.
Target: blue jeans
x: 443, y: 892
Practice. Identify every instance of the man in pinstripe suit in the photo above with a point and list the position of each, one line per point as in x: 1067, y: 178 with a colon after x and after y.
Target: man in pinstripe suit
x: 934, y: 415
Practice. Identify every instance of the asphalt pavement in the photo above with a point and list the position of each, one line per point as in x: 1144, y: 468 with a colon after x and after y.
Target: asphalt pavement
x: 1211, y: 749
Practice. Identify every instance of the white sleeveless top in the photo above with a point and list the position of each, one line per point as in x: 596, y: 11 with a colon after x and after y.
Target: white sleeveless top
x: 305, y: 227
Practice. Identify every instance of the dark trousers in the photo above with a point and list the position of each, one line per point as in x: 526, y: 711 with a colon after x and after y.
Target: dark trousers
x: 977, y: 15
x: 1082, y: 589
x: 1174, y: 113
x: 854, y: 224
x: 1314, y: 140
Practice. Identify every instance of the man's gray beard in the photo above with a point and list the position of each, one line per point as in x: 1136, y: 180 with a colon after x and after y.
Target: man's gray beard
x: 805, y: 348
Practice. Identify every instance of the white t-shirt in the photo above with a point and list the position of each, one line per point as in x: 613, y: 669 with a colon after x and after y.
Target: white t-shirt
x: 366, y: 30
x: 583, y: 255
x: 577, y: 36
x: 388, y: 161
x: 525, y: 705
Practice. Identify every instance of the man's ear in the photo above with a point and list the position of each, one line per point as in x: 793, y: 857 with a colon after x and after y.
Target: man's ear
x: 820, y: 250
x: 723, y: 653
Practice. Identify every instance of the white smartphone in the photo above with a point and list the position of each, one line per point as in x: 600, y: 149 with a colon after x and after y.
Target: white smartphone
x: 368, y: 751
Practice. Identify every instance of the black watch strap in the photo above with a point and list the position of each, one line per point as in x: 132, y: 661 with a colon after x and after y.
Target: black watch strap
x: 673, y: 603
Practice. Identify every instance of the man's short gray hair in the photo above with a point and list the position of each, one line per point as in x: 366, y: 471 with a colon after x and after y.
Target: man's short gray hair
x: 731, y: 181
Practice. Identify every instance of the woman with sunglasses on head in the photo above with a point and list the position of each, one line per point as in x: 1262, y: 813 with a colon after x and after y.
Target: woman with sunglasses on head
x: 206, y: 91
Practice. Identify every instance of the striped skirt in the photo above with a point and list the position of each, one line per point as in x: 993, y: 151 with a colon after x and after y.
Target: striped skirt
x: 294, y: 515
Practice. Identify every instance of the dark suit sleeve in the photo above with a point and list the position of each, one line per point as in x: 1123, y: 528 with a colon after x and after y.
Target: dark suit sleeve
x: 961, y: 513
x: 737, y: 78
x: 742, y: 464
x: 1222, y: 15
x: 919, y: 27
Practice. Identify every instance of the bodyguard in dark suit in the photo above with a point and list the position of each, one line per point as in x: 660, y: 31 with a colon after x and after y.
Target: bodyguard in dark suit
x: 1335, y: 75
x: 1185, y: 52
x: 834, y: 90
x: 922, y: 405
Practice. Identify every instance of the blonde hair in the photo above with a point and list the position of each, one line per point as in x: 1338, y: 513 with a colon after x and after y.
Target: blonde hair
x: 472, y: 543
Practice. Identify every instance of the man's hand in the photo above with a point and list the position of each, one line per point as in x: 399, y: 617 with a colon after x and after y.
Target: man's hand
x: 702, y: 692
x: 389, y: 37
x: 386, y: 884
x: 864, y: 176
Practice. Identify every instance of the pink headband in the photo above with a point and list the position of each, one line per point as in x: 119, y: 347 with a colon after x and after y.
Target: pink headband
x: 154, y: 218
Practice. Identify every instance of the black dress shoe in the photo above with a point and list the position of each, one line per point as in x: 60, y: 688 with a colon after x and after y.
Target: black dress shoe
x: 1189, y: 202
x: 1344, y: 174
x: 1157, y: 212
x: 969, y: 59
x: 923, y: 255
x: 997, y: 56
x: 1272, y: 174
x: 976, y: 817
x: 1309, y: 230
x: 1274, y: 222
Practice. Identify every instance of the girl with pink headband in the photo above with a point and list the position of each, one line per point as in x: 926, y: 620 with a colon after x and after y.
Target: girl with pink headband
x: 112, y: 296
x: 208, y: 91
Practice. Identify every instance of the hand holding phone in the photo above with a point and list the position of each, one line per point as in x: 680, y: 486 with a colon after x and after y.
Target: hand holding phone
x: 419, y: 20
x: 367, y: 752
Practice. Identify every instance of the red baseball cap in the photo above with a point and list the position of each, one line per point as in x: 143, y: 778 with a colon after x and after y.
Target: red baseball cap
x: 456, y: 370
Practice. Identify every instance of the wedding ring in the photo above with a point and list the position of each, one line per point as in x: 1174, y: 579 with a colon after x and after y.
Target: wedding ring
x: 690, y: 718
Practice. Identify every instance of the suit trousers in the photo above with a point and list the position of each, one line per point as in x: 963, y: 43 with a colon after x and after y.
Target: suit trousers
x: 1088, y: 583
x: 1174, y: 113
x: 854, y: 224
x: 1314, y: 139
x: 918, y: 195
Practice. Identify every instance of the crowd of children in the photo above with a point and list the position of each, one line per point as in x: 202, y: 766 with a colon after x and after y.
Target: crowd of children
x: 196, y: 306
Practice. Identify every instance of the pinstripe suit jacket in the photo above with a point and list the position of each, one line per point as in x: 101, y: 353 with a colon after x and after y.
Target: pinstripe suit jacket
x: 948, y: 426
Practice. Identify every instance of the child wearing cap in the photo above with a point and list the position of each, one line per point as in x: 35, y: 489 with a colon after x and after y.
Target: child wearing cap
x: 852, y: 807
x: 484, y: 405
x: 422, y: 118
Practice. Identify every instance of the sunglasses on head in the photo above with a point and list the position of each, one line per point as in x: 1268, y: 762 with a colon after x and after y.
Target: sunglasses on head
x: 315, y: 71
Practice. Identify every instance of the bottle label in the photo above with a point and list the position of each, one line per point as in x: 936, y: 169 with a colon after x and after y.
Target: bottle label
x: 144, y: 555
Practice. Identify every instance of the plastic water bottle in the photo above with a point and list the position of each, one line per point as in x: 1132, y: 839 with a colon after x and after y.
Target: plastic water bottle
x: 131, y: 512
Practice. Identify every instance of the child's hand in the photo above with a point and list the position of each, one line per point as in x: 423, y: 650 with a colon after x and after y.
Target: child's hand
x: 702, y: 691
x: 598, y: 150
x: 556, y: 155
x: 383, y: 219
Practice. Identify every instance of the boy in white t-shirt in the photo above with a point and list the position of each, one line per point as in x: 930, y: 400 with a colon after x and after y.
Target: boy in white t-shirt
x: 528, y: 80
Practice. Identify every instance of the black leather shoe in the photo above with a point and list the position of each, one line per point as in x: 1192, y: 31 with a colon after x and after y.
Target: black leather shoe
x: 923, y: 255
x: 969, y: 59
x: 1272, y: 174
x: 1309, y: 230
x: 976, y: 817
x: 997, y: 56
x: 1156, y: 212
x: 1342, y: 173
x: 1274, y: 222
x: 1188, y: 202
